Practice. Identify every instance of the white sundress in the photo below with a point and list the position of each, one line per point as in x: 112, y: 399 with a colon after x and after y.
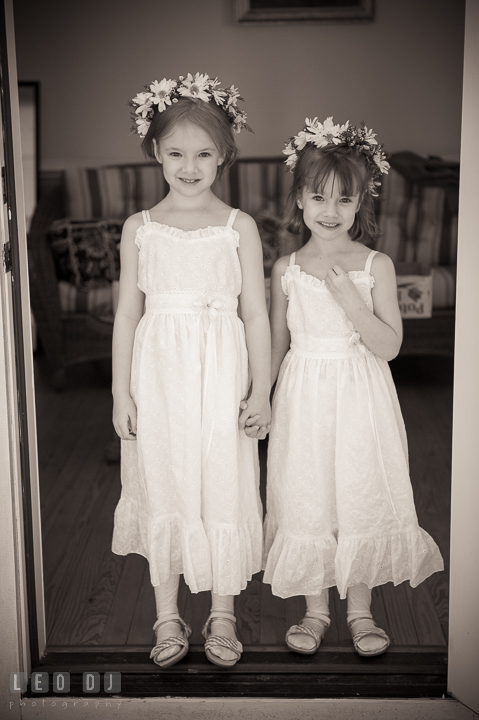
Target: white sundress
x: 190, y: 482
x: 340, y: 508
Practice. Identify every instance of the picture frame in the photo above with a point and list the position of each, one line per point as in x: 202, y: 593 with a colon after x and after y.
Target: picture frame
x: 303, y: 11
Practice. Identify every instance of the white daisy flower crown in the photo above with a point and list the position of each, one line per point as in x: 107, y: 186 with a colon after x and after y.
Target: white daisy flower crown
x: 159, y: 95
x: 322, y: 134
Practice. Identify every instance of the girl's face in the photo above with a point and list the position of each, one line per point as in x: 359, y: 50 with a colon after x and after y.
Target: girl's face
x: 189, y: 158
x: 328, y: 214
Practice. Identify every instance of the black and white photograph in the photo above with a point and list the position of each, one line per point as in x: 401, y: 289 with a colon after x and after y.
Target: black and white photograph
x: 239, y: 398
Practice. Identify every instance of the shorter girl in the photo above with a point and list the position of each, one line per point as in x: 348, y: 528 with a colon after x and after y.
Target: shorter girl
x: 340, y: 503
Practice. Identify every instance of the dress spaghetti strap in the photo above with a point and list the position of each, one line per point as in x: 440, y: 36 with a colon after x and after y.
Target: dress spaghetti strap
x: 146, y: 216
x: 369, y: 259
x: 232, y: 217
x: 292, y: 259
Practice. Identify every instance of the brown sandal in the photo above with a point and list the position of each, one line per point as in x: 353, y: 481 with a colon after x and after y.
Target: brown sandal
x: 372, y: 629
x: 214, y: 641
x: 302, y: 629
x: 180, y: 640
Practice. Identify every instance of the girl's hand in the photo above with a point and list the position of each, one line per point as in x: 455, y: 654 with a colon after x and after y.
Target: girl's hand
x: 381, y: 329
x: 341, y: 287
x: 255, y: 419
x: 124, y: 418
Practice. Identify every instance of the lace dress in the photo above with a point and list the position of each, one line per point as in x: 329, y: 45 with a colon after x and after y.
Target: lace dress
x: 340, y: 507
x: 190, y: 482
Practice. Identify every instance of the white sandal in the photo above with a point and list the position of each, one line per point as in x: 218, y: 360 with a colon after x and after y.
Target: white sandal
x: 217, y: 641
x: 371, y: 629
x: 302, y: 629
x: 180, y: 640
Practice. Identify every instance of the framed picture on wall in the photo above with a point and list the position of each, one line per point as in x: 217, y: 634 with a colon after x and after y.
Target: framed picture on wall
x: 284, y: 11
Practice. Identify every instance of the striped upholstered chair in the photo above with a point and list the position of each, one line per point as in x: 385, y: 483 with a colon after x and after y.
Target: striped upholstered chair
x: 418, y: 220
x: 71, y: 328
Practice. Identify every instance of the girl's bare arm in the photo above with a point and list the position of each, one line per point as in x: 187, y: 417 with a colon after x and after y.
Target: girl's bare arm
x: 280, y: 335
x: 255, y: 319
x: 128, y: 314
x: 381, y: 330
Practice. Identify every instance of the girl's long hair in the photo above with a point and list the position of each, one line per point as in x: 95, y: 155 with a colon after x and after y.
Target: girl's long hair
x: 347, y: 168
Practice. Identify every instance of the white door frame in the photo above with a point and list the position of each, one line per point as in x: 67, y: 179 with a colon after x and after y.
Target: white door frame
x: 464, y: 628
x: 15, y: 456
x: 463, y: 673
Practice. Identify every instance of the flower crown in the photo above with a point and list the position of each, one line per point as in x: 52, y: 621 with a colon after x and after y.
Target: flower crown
x: 322, y: 134
x: 161, y: 94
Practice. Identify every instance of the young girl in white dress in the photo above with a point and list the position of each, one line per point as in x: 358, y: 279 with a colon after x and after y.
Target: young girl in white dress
x: 183, y: 361
x: 340, y: 507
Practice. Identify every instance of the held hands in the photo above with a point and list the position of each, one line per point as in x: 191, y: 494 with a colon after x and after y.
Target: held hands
x: 255, y: 419
x: 340, y: 286
x: 124, y: 418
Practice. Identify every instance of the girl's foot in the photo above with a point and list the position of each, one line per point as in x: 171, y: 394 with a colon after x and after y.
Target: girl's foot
x: 368, y: 639
x: 222, y: 647
x: 171, y: 641
x: 306, y: 637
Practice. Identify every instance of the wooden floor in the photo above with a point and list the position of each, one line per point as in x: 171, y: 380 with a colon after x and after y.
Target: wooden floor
x: 96, y: 598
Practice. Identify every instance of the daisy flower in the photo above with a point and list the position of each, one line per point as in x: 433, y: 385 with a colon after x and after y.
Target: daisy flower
x: 370, y: 137
x: 381, y: 162
x: 291, y: 161
x: 144, y: 103
x: 142, y: 126
x: 301, y: 139
x: 196, y: 87
x: 161, y: 93
x: 233, y: 95
x: 219, y: 96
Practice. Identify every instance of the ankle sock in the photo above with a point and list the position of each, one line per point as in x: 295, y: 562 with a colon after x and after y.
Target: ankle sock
x: 317, y: 607
x: 359, y: 614
x: 359, y: 602
x: 166, y: 598
x: 316, y: 618
x: 221, y: 626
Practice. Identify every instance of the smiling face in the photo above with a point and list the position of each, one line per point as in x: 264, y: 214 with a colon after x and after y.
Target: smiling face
x: 190, y: 159
x: 328, y: 213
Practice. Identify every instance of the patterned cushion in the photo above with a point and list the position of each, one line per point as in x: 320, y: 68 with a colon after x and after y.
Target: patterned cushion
x: 86, y: 254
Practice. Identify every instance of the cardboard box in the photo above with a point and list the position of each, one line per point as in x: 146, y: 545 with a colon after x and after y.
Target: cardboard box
x: 414, y: 284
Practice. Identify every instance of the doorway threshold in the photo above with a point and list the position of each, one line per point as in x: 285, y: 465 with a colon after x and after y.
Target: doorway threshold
x: 263, y: 671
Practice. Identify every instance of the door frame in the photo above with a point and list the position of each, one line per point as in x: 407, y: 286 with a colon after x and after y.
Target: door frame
x: 464, y: 576
x: 23, y: 622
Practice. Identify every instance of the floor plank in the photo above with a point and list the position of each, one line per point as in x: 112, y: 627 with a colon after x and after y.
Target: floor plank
x: 144, y: 615
x: 85, y: 581
x: 248, y: 612
x: 125, y: 600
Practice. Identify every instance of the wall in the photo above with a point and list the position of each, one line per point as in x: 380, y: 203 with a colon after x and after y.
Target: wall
x: 401, y: 73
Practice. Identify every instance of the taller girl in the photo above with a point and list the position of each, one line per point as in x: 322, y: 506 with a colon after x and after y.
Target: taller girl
x: 340, y: 503
x: 183, y: 361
